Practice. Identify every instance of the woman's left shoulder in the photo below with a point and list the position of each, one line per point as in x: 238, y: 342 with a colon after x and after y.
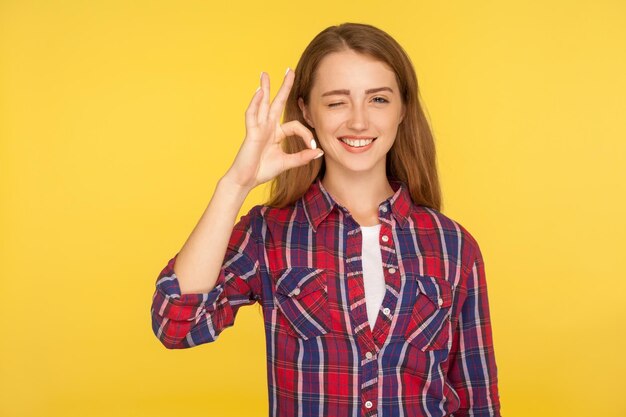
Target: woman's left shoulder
x: 446, y: 225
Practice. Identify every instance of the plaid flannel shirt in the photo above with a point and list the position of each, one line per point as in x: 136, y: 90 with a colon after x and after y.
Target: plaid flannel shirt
x: 430, y: 352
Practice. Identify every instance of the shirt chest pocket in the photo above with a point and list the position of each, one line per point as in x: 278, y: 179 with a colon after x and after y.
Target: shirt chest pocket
x: 429, y: 323
x: 301, y: 295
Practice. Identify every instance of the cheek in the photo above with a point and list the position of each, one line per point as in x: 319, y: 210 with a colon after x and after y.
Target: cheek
x: 327, y: 123
x: 390, y: 121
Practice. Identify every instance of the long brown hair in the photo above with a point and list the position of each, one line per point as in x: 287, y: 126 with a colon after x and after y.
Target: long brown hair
x: 412, y: 157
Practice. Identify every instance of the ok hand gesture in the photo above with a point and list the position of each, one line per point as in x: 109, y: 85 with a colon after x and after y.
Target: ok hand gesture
x: 260, y: 157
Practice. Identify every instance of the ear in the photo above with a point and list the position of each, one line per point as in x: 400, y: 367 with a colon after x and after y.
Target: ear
x: 305, y: 112
x: 403, y: 114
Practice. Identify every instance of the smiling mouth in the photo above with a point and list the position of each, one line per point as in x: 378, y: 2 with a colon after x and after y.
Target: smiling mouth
x: 357, y: 142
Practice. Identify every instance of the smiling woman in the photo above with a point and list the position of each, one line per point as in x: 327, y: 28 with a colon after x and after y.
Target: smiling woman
x: 374, y: 302
x: 351, y: 80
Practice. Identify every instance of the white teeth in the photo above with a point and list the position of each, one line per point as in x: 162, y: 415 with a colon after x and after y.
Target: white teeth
x: 357, y: 143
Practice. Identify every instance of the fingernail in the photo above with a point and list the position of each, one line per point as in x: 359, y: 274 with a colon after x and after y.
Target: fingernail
x: 258, y: 88
x: 261, y: 76
x: 322, y: 153
x: 313, y: 144
x: 286, y: 72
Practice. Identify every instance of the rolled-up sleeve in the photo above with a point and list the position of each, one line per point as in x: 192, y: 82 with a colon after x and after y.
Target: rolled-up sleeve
x: 185, y: 320
x: 473, y: 371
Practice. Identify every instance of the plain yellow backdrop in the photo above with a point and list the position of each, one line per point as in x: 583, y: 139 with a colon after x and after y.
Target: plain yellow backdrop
x: 117, y: 120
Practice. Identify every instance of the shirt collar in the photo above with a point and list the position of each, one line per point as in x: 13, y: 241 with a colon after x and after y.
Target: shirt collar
x: 318, y: 203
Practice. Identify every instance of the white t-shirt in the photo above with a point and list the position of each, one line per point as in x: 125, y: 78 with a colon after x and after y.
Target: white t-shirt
x: 373, y: 277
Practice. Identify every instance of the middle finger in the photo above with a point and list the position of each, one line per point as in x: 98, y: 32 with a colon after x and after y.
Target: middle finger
x: 278, y: 105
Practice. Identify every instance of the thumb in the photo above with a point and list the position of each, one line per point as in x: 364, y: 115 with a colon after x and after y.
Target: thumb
x: 302, y: 158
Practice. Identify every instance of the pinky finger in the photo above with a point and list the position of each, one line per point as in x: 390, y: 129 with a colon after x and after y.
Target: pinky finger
x: 253, y: 108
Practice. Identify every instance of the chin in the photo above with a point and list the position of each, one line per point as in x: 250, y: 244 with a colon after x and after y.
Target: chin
x: 355, y: 167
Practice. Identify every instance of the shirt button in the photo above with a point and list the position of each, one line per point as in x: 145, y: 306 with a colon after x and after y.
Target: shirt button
x: 368, y: 355
x: 368, y: 404
x: 440, y: 301
x: 392, y: 270
x: 386, y: 311
x: 383, y: 209
x: 296, y: 291
x: 385, y: 238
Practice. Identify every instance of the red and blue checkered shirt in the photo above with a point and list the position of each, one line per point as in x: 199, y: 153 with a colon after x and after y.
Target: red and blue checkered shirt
x: 430, y: 352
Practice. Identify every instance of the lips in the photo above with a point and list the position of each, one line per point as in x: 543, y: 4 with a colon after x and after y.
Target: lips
x: 356, y: 137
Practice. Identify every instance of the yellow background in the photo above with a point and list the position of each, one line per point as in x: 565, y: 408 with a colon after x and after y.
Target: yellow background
x: 117, y: 119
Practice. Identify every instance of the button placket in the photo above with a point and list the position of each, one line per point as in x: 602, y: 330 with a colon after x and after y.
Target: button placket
x: 356, y: 295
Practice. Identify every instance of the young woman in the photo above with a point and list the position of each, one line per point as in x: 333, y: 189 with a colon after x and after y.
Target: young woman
x: 374, y: 302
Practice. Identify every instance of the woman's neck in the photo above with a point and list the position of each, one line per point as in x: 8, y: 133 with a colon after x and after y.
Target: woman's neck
x: 361, y: 195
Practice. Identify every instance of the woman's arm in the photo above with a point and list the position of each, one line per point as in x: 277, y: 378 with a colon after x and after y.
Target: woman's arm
x: 473, y: 372
x: 217, y: 270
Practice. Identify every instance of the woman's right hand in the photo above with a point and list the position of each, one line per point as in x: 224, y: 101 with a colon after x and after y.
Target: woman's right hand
x: 261, y: 157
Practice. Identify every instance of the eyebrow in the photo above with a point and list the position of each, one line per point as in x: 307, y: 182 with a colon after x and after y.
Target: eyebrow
x: 347, y: 92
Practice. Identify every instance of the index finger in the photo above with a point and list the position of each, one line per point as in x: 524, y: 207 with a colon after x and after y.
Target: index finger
x: 278, y: 105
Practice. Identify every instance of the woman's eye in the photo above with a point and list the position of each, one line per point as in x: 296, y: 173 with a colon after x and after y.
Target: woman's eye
x: 382, y: 100
x: 334, y: 104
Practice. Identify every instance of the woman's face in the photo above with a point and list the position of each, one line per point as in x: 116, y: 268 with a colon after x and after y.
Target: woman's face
x: 355, y: 98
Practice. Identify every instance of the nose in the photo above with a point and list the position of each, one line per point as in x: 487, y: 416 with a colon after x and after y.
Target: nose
x: 358, y: 118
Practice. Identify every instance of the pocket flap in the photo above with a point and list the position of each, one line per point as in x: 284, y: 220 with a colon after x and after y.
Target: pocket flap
x: 299, y: 281
x: 438, y: 290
